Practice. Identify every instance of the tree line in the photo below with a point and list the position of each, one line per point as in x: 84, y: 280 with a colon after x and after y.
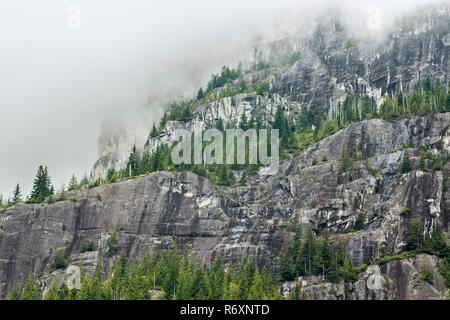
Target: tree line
x: 162, y: 274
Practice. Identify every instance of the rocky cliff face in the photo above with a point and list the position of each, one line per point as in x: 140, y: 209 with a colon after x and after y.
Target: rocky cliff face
x: 335, y: 62
x: 256, y: 219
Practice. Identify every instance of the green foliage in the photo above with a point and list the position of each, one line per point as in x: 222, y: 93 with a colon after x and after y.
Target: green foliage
x: 360, y: 222
x: 87, y: 247
x: 261, y: 88
x: 31, y: 290
x: 60, y: 261
x: 425, y: 273
x: 444, y: 269
x: 281, y: 123
x: 327, y: 128
x: 406, y: 165
x: 73, y: 184
x: 414, y: 239
x: 17, y: 196
x: 112, y: 243
x: 154, y: 131
x: 370, y: 169
x: 84, y: 182
x: 310, y: 255
x: 177, y: 277
x: 132, y: 166
x: 351, y: 43
x: 404, y: 211
x: 227, y: 75
x: 42, y: 187
x: 346, y: 162
x: 200, y: 94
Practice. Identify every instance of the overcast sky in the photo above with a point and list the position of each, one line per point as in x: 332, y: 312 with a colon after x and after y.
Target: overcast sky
x: 61, y: 77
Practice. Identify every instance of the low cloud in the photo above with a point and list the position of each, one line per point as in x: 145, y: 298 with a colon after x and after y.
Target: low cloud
x: 59, y: 86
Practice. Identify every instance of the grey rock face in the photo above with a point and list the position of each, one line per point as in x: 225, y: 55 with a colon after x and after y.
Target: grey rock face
x: 254, y: 220
x: 395, y: 280
x: 328, y: 71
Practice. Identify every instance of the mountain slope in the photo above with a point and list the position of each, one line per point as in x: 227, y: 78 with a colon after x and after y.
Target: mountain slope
x: 254, y: 220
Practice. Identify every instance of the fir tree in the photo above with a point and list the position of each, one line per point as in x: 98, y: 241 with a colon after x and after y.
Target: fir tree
x: 406, y: 165
x: 42, y: 186
x: 200, y: 94
x: 17, y: 195
x: 154, y: 131
x: 31, y: 290
x: 52, y: 292
x: 73, y: 183
x: 414, y: 239
x: 133, y: 162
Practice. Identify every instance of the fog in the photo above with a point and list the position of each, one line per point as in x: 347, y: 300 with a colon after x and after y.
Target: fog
x: 118, y: 65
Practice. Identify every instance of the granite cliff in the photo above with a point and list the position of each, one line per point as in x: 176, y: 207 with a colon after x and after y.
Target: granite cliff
x: 310, y: 189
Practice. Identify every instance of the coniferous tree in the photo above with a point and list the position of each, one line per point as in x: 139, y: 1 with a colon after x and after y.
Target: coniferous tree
x: 73, y: 183
x: 414, y: 239
x: 15, y: 294
x: 216, y: 278
x: 256, y: 291
x: 406, y: 164
x: 17, y: 195
x: 154, y: 131
x: 31, y: 290
x: 245, y: 278
x: 286, y: 267
x: 281, y: 123
x: 243, y: 121
x: 52, y: 292
x: 219, y: 124
x: 42, y: 186
x: 133, y: 162
x: 200, y: 94
x: 84, y: 182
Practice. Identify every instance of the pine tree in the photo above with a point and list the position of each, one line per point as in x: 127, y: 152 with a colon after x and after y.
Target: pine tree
x: 154, y: 131
x: 14, y: 294
x: 414, y: 239
x: 281, y: 123
x: 216, y: 278
x: 42, y: 186
x: 73, y: 184
x: 438, y: 242
x: 245, y: 278
x: 17, y: 196
x: 219, y: 124
x: 31, y: 290
x: 133, y: 162
x: 84, y: 181
x: 83, y: 292
x: 406, y: 164
x: 286, y: 267
x: 256, y: 291
x: 243, y: 121
x: 308, y: 252
x: 52, y: 292
x: 96, y: 285
x: 200, y: 94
